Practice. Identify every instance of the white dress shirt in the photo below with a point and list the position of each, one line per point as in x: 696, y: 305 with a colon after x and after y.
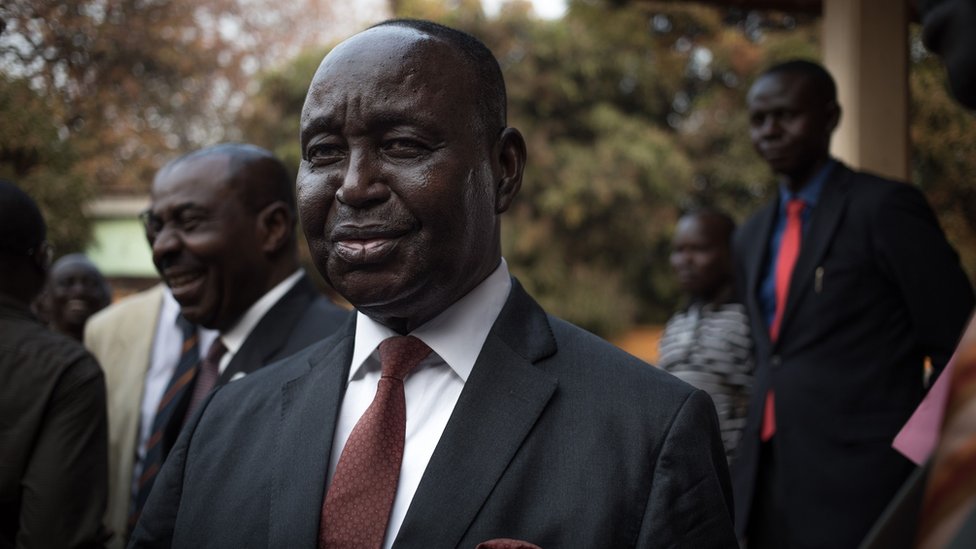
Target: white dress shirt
x: 166, y: 350
x: 432, y: 388
x: 234, y: 338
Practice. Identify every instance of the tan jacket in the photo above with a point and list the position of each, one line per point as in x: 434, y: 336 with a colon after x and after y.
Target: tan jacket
x: 121, y: 338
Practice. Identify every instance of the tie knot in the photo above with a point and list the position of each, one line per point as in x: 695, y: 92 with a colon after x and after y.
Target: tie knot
x: 216, y: 351
x: 400, y: 354
x: 186, y: 327
x: 795, y: 207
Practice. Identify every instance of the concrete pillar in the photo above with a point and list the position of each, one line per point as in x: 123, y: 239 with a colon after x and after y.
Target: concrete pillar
x: 865, y: 47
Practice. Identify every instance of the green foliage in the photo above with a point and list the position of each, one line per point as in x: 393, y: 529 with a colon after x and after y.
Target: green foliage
x: 34, y: 157
x: 943, y: 136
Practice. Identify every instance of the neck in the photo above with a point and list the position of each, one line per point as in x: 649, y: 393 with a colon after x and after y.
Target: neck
x: 801, y: 178
x: 714, y: 297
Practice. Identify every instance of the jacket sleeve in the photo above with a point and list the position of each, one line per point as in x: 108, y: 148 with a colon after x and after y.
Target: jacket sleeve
x: 690, y: 504
x: 65, y: 486
x: 157, y: 523
x: 916, y: 255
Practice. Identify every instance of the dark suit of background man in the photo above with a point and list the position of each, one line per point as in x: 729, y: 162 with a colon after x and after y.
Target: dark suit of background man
x: 221, y: 224
x: 875, y: 289
x: 518, y: 425
x: 53, y: 444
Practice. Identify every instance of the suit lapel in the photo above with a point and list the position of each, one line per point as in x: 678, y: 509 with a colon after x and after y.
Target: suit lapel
x: 271, y: 332
x: 823, y: 223
x: 499, y: 405
x: 755, y: 261
x: 309, y: 410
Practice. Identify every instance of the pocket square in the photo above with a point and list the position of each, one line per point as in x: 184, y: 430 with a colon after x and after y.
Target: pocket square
x: 506, y: 543
x: 237, y: 376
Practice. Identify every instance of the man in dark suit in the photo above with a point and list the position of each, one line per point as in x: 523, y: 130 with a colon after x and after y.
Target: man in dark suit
x: 515, y: 424
x: 221, y: 223
x: 53, y: 443
x: 850, y: 285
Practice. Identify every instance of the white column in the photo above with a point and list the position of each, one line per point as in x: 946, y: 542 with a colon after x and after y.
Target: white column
x: 865, y: 47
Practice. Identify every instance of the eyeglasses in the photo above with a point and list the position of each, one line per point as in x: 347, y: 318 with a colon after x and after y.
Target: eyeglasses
x: 183, y: 221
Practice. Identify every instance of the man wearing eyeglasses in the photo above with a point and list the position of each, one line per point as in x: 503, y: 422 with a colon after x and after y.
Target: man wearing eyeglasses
x: 221, y: 224
x: 52, y: 403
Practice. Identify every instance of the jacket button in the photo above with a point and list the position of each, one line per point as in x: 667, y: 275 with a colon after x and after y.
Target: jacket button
x: 775, y: 361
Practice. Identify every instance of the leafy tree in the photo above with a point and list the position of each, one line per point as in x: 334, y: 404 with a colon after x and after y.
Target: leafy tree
x: 34, y: 156
x: 943, y: 136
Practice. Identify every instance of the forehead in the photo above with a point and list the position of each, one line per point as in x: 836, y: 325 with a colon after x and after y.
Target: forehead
x: 74, y: 268
x: 781, y: 89
x: 697, y: 227
x: 201, y: 181
x: 391, y: 72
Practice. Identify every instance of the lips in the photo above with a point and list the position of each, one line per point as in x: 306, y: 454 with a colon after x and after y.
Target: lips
x: 76, y: 306
x: 366, y: 245
x: 183, y: 282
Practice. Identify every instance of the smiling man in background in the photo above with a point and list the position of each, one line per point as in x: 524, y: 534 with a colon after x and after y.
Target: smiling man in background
x: 221, y: 224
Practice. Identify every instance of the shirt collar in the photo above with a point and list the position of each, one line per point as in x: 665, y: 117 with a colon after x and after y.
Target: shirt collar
x: 810, y: 193
x: 235, y: 337
x: 456, y: 335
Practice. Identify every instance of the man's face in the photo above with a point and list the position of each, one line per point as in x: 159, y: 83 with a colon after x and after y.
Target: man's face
x: 77, y: 291
x: 949, y: 30
x: 700, y: 257
x: 397, y: 185
x: 204, y: 242
x: 789, y: 125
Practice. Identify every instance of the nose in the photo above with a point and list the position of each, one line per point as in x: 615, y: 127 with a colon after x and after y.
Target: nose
x: 363, y: 184
x: 165, y: 245
x: 769, y: 126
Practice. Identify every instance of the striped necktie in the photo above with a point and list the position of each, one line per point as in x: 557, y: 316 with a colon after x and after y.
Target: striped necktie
x: 178, y: 386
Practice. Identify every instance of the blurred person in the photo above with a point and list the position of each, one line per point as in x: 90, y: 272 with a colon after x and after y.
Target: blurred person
x: 221, y: 224
x: 139, y: 341
x: 707, y: 344
x: 936, y: 508
x: 451, y: 410
x: 52, y: 403
x: 75, y: 291
x: 947, y: 30
x: 850, y: 284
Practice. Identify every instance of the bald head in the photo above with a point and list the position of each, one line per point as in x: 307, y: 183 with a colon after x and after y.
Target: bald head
x: 256, y: 174
x: 221, y: 224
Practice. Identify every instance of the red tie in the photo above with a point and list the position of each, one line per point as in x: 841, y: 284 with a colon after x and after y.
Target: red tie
x: 789, y: 249
x: 358, y: 503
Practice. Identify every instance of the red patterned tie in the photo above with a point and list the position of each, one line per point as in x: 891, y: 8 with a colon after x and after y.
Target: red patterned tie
x: 358, y: 503
x: 789, y: 250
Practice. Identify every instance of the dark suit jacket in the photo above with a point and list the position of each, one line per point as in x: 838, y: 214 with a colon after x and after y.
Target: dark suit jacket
x: 558, y: 438
x: 301, y: 317
x: 876, y: 288
x: 53, y: 437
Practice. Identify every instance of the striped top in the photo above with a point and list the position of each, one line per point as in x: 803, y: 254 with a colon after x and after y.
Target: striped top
x: 710, y: 348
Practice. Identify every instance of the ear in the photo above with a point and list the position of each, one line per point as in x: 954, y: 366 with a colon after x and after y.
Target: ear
x: 833, y: 116
x: 510, y: 152
x: 276, y: 227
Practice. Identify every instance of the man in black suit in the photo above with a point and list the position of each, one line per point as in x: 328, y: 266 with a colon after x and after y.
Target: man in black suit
x: 221, y: 224
x: 53, y: 443
x: 841, y: 336
x: 518, y: 425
